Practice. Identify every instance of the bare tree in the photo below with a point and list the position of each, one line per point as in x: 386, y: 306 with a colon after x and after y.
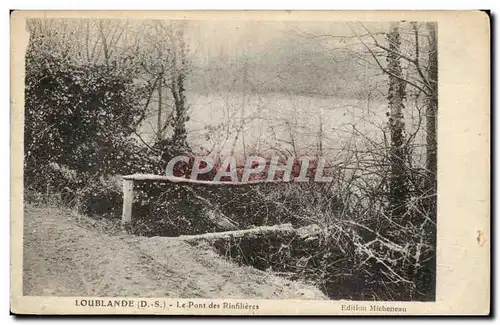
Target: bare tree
x: 431, y: 114
x: 396, y: 95
x: 177, y: 88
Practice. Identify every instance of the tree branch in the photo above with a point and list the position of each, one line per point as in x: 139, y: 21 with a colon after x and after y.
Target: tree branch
x: 385, y: 70
x: 407, y: 58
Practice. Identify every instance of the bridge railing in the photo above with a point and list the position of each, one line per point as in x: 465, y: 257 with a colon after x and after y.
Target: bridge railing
x: 128, y: 188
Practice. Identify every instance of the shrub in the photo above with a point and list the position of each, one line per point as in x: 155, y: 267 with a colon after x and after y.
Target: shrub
x: 78, y: 115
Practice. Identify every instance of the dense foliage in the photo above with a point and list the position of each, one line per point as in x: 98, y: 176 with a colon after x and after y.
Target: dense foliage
x: 81, y: 122
x: 78, y: 115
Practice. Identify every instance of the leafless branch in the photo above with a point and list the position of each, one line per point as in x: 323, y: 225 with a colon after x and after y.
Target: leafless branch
x: 385, y: 70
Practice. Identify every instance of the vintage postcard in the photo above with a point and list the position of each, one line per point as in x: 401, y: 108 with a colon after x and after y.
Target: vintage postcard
x: 250, y: 162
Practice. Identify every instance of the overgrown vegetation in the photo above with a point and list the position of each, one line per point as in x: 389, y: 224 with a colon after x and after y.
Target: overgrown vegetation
x: 371, y: 230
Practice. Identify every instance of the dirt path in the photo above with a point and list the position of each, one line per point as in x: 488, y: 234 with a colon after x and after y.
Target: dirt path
x: 63, y: 258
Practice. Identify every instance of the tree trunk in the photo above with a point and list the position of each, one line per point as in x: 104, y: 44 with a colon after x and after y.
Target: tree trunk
x: 398, y: 191
x: 430, y: 203
x: 178, y: 92
x: 159, y: 126
x: 104, y: 43
x: 431, y: 113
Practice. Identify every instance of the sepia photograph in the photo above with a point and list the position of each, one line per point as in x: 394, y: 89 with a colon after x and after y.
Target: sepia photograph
x: 184, y: 164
